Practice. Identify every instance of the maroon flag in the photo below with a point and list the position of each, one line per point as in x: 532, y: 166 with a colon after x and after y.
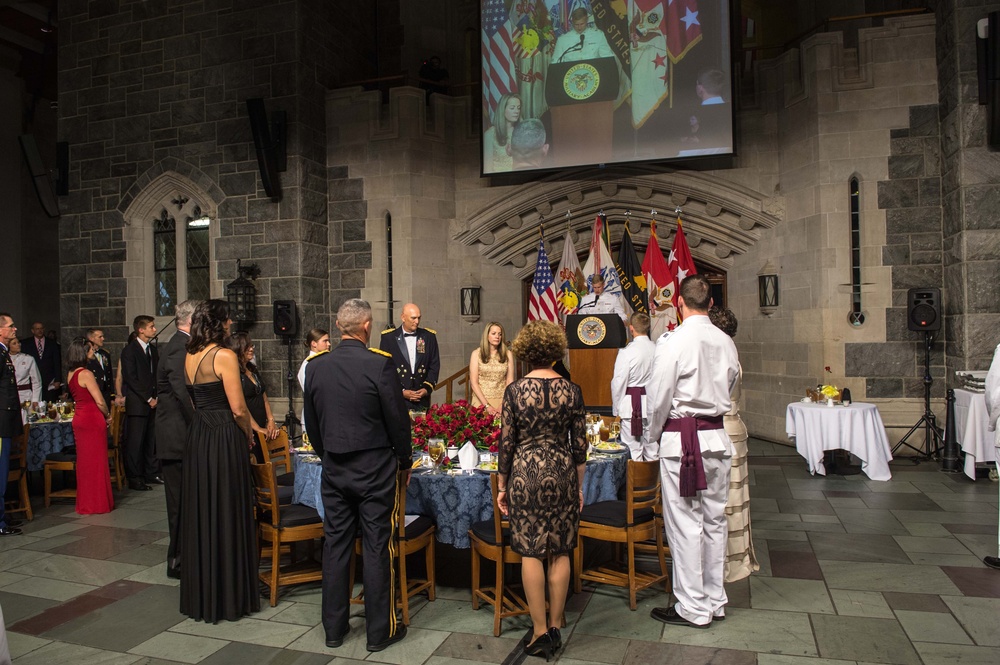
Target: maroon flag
x: 680, y: 264
x: 683, y: 27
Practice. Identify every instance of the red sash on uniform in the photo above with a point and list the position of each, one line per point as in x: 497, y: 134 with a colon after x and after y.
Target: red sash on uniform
x: 692, y: 478
x: 636, y: 394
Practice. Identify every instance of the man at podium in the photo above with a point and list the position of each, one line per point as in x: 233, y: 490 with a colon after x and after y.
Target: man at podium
x: 599, y: 302
x: 583, y: 42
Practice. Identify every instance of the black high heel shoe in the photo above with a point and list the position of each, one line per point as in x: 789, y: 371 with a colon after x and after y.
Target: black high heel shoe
x: 542, y: 646
x: 556, y: 638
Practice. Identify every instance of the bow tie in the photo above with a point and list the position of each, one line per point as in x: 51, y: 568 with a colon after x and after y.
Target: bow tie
x: 406, y: 334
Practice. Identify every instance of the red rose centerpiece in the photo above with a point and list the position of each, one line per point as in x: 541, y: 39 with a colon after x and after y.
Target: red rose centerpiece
x: 457, y: 423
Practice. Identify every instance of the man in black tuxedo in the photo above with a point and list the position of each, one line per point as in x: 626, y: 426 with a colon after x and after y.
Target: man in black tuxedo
x: 10, y: 416
x: 414, y: 351
x: 139, y: 361
x: 174, y: 411
x: 101, y: 365
x: 46, y: 353
x: 358, y: 421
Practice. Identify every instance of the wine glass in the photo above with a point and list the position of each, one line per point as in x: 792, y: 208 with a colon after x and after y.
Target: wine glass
x: 435, y: 448
x: 616, y: 429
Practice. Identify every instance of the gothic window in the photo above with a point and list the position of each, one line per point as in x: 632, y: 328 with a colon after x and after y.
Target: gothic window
x: 856, y: 317
x: 180, y: 254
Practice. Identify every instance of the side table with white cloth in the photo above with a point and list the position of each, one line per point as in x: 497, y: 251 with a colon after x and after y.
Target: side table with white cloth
x: 856, y: 428
x: 972, y: 430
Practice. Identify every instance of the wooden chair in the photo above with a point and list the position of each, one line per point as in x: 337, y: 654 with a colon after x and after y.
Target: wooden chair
x: 115, y: 448
x: 278, y: 453
x: 17, y: 475
x: 409, y: 539
x: 627, y: 522
x: 61, y: 461
x: 280, y: 525
x: 491, y: 540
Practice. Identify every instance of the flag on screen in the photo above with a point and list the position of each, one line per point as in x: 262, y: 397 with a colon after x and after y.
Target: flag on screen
x: 532, y: 38
x: 570, y: 282
x: 682, y: 27
x: 498, y: 69
x: 650, y: 67
x: 630, y: 275
x: 542, y: 304
x: 600, y: 261
x: 659, y: 287
x: 679, y: 263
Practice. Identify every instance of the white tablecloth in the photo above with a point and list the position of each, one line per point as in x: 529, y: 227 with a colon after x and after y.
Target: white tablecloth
x: 856, y: 428
x: 971, y: 423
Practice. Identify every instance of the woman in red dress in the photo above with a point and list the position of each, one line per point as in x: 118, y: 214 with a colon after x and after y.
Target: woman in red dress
x: 90, y: 430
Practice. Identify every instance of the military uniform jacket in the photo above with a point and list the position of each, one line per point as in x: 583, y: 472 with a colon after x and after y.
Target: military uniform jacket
x: 352, y: 402
x: 10, y: 403
x: 428, y: 362
x: 174, y: 409
x: 104, y: 373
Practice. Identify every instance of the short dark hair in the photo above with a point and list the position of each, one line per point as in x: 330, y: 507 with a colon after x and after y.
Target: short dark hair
x: 724, y: 320
x: 639, y: 322
x: 208, y: 325
x: 713, y: 81
x: 697, y: 292
x: 76, y: 354
x: 141, y: 321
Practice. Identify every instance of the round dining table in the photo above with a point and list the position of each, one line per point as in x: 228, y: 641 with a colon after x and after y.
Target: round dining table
x: 46, y: 438
x: 457, y: 499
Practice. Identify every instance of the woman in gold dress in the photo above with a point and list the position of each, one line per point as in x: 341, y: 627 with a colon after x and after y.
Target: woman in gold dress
x: 491, y: 369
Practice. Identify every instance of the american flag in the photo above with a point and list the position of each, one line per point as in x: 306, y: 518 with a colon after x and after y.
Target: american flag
x: 542, y: 303
x: 683, y: 27
x: 498, y: 79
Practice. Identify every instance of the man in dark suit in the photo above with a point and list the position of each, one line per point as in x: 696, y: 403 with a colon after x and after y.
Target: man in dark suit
x: 10, y: 417
x: 174, y: 411
x: 101, y: 365
x: 139, y: 361
x: 46, y: 353
x: 358, y: 421
x: 414, y: 352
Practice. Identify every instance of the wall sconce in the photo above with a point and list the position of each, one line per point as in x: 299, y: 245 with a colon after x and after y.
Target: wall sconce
x: 241, y: 294
x: 469, y: 304
x: 767, y: 289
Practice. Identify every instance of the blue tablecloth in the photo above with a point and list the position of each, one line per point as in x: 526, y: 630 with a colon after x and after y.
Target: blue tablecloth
x: 455, y: 502
x: 46, y: 438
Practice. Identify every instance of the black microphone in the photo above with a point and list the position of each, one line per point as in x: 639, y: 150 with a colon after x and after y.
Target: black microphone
x: 575, y: 47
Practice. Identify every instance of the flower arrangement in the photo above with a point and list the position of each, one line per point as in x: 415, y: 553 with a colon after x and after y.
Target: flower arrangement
x: 457, y: 423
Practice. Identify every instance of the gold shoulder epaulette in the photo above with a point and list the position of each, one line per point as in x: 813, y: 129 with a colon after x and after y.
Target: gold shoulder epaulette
x: 389, y: 330
x: 433, y: 332
x: 313, y: 356
x: 380, y: 352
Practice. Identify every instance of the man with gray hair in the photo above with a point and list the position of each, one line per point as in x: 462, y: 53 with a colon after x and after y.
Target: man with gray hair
x: 527, y: 144
x: 358, y: 422
x: 173, y: 415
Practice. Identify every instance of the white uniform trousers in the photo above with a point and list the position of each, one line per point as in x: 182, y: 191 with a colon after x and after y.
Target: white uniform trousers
x: 696, y: 532
x: 641, y: 449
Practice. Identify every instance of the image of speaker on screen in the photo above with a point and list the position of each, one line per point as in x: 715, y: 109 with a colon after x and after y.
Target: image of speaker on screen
x: 583, y: 42
x: 709, y: 120
x: 528, y: 146
x: 496, y: 139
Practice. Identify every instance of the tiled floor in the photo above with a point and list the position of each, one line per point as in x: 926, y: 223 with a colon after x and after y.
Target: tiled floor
x: 852, y: 570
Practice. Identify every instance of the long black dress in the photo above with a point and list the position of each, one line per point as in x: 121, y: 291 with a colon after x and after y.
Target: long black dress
x: 218, y: 542
x: 253, y: 393
x: 542, y: 443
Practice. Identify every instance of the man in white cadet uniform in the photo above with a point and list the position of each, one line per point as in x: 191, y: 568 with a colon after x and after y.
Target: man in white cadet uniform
x: 633, y: 370
x: 599, y: 302
x: 693, y: 374
x: 993, y: 409
x: 582, y: 42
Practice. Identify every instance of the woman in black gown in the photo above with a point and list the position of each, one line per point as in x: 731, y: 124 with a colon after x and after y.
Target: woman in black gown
x: 254, y: 392
x: 543, y: 454
x: 218, y: 540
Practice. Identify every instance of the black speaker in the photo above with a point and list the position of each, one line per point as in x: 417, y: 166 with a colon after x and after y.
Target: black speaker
x: 286, y: 323
x: 923, y: 309
x: 269, y: 143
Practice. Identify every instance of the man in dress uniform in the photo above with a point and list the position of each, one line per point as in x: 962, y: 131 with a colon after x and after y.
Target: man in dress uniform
x: 358, y: 421
x: 633, y: 370
x: 46, y: 354
x: 101, y: 365
x: 993, y: 411
x: 10, y: 417
x: 414, y: 352
x: 139, y: 361
x: 174, y: 412
x: 693, y: 376
x: 599, y: 302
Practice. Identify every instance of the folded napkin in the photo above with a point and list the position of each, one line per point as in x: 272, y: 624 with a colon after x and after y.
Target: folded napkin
x: 468, y: 456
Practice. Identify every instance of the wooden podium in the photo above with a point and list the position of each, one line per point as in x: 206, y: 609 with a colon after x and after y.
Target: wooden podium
x: 581, y: 98
x: 594, y: 340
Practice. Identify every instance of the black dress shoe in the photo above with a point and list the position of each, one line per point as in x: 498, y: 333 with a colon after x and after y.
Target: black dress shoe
x: 9, y: 531
x: 155, y: 480
x: 139, y: 486
x: 14, y: 523
x: 556, y: 638
x: 400, y: 634
x: 338, y: 642
x: 992, y: 561
x: 542, y: 646
x: 670, y: 616
x: 174, y: 572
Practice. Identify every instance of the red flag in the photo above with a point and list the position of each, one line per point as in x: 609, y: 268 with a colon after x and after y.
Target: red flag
x: 683, y: 27
x: 660, y: 286
x: 680, y: 264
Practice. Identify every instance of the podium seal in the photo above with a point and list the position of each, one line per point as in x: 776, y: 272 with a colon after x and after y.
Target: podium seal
x: 581, y: 81
x: 591, y: 330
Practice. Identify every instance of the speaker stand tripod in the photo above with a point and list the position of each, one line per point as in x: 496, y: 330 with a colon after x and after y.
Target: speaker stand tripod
x: 291, y: 420
x: 928, y: 421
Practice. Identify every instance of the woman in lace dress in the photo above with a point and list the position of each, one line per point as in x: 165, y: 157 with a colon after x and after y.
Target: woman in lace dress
x: 491, y: 369
x: 740, y: 557
x: 543, y: 454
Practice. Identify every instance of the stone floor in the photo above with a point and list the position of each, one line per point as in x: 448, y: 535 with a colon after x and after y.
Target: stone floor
x: 852, y: 570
